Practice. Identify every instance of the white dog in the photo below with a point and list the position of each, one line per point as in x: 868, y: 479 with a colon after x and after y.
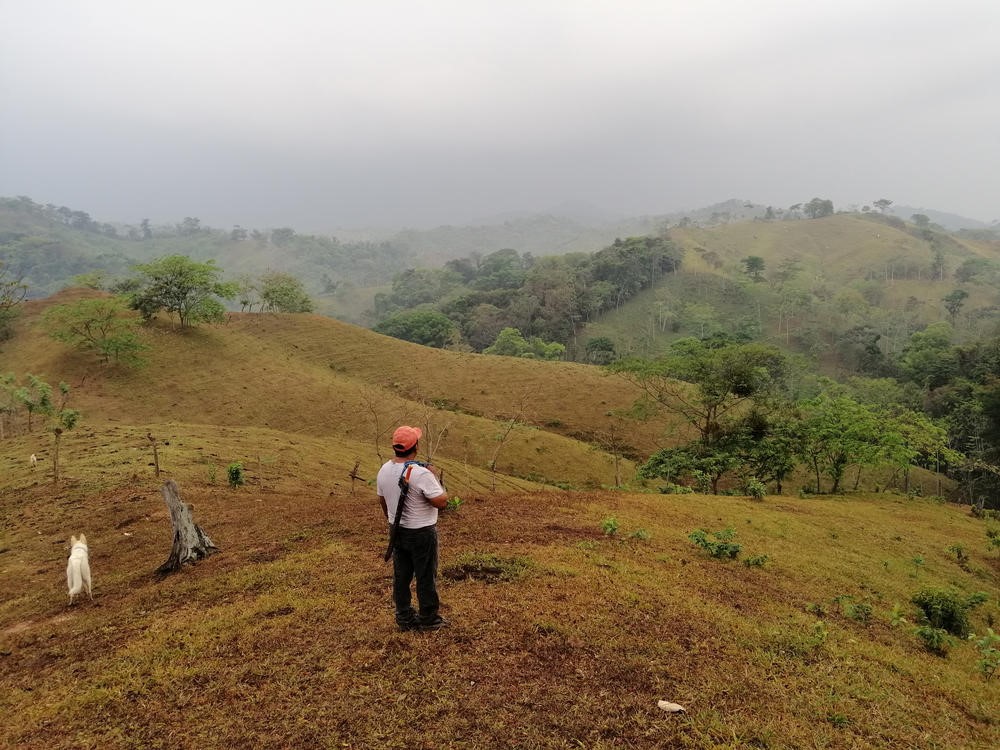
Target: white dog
x: 78, y: 568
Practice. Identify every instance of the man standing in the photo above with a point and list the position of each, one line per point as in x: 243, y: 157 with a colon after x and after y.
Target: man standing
x: 415, y: 541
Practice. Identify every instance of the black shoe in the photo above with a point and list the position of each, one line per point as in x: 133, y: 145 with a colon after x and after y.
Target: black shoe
x: 435, y: 623
x: 408, y: 625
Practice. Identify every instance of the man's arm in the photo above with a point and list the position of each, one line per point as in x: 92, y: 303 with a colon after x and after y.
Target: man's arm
x: 385, y: 509
x: 440, y: 501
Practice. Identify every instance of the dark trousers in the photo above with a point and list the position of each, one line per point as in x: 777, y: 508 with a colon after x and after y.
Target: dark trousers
x: 415, y: 554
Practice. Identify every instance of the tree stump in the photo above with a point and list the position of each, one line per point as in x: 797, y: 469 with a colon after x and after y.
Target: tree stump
x: 190, y: 542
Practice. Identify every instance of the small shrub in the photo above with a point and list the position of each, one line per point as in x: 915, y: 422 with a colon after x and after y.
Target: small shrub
x: 235, y: 473
x: 702, y: 481
x: 816, y: 609
x: 676, y: 489
x: 756, y: 561
x: 212, y: 473
x: 993, y: 539
x: 754, y: 488
x: 896, y: 618
x: 454, y: 503
x: 936, y: 640
x: 960, y: 556
x: 609, y: 526
x: 640, y: 534
x: 721, y: 546
x: 860, y: 611
x: 819, y: 635
x: 989, y: 649
x: 947, y: 610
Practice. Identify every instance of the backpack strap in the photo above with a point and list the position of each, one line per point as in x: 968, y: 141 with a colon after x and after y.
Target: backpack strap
x: 404, y: 488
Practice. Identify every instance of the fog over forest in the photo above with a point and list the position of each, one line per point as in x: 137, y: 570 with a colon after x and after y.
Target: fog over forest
x: 387, y: 113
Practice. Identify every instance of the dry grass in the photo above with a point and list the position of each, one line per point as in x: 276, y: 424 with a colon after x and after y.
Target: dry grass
x: 285, y: 638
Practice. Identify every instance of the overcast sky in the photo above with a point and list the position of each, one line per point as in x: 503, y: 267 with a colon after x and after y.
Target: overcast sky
x: 320, y: 114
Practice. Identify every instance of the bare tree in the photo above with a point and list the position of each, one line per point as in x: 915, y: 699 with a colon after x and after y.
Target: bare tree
x: 435, y: 425
x: 383, y: 420
x: 516, y: 418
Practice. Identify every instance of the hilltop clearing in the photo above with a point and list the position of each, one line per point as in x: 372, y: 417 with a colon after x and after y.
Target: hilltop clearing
x: 562, y: 635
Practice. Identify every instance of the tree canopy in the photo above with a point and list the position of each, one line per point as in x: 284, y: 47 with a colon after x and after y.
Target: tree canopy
x: 102, y: 325
x: 180, y: 286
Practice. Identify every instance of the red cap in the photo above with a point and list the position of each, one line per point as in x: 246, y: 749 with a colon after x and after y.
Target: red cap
x: 406, y: 437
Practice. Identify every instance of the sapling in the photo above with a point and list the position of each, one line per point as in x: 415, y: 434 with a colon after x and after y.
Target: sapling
x: 235, y: 473
x: 989, y: 649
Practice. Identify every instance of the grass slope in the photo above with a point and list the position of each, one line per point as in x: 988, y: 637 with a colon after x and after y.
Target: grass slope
x: 310, y: 375
x: 285, y: 638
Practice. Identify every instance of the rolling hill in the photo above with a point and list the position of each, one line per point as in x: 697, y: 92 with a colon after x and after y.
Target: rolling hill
x: 573, y: 612
x: 822, y: 277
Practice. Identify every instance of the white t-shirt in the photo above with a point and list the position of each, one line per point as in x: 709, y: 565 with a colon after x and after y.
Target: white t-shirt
x: 417, y: 512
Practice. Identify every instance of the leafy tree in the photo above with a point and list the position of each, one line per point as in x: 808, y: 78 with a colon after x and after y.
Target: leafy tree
x: 938, y: 267
x: 147, y: 230
x: 503, y: 269
x: 754, y: 265
x: 953, y: 302
x: 837, y: 431
x: 60, y: 419
x: 859, y: 349
x: 882, y: 204
x: 817, y: 208
x: 705, y: 384
x: 35, y: 396
x: 510, y: 343
x: 973, y: 268
x: 694, y: 462
x: 191, y: 225
x: 101, y: 325
x: 180, y: 286
x: 247, y: 292
x: 282, y: 292
x: 426, y: 327
x: 417, y: 286
x: 600, y: 350
x: 765, y: 440
x: 921, y: 220
x: 928, y: 358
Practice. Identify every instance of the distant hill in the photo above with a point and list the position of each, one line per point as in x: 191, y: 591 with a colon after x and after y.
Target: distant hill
x: 822, y: 277
x: 950, y: 221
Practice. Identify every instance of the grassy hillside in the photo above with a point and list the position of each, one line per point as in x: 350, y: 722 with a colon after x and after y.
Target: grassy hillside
x: 313, y: 376
x: 285, y: 637
x: 563, y: 635
x: 848, y: 271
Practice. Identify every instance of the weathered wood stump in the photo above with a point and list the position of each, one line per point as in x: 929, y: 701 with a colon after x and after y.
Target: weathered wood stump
x: 190, y: 542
